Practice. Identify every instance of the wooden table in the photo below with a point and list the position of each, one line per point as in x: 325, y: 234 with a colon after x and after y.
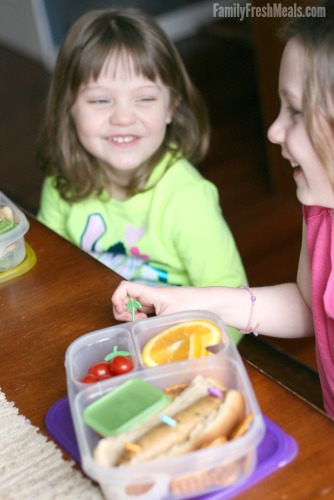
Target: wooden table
x: 67, y: 294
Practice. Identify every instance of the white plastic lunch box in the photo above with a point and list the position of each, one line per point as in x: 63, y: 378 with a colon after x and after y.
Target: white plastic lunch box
x: 194, y: 474
x: 12, y: 245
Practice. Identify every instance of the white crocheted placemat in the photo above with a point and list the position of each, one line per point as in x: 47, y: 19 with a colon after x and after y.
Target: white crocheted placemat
x: 31, y: 467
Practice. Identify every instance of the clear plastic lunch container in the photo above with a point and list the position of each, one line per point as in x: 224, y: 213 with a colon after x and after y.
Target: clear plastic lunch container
x: 12, y: 244
x: 194, y: 474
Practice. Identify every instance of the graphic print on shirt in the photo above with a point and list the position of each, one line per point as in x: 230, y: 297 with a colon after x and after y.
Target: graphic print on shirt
x: 133, y: 234
x: 134, y: 267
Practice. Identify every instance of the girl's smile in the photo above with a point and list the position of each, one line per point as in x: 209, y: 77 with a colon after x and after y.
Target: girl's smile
x: 121, y: 117
x: 289, y: 131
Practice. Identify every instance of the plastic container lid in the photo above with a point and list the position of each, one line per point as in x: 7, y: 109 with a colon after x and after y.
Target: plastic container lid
x: 124, y: 407
x: 24, y: 267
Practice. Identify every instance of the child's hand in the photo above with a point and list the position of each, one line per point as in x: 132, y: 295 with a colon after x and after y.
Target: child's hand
x: 146, y: 295
x: 153, y: 299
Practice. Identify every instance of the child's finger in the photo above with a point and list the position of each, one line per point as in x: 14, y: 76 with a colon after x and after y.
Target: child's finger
x: 121, y: 316
x: 118, y: 306
x: 125, y: 290
x: 127, y: 316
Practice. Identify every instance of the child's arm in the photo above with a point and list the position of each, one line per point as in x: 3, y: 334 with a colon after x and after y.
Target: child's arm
x: 280, y: 310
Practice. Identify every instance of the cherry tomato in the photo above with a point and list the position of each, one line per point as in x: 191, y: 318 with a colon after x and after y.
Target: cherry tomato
x: 89, y: 379
x: 120, y: 365
x: 101, y: 370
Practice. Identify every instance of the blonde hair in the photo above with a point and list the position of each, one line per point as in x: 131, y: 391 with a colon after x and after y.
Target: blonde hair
x: 317, y: 38
x: 96, y: 36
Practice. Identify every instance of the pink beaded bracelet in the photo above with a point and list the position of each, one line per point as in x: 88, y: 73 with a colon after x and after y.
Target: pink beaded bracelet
x: 249, y: 328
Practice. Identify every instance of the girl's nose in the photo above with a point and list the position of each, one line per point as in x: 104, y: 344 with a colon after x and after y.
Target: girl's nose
x: 121, y: 114
x: 276, y: 132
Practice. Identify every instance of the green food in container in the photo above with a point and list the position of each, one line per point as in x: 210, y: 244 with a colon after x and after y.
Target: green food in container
x: 6, y: 225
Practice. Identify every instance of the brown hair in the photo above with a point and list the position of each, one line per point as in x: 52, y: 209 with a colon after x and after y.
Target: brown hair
x: 316, y: 34
x: 96, y: 36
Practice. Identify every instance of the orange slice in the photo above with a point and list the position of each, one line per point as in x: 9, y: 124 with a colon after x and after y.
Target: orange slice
x: 185, y: 340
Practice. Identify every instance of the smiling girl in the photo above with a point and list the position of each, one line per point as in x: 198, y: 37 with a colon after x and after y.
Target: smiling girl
x: 304, y: 129
x: 124, y: 125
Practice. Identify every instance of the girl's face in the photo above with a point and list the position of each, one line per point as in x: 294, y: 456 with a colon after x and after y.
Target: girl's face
x: 121, y: 117
x: 288, y: 130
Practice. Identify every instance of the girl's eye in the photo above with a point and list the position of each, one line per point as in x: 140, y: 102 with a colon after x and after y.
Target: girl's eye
x: 146, y: 99
x: 98, y: 101
x: 294, y: 112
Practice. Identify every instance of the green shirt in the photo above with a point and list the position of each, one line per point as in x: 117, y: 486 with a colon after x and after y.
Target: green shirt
x: 173, y: 233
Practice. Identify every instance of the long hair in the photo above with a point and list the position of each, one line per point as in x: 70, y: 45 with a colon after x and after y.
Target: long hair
x: 316, y: 34
x: 95, y: 37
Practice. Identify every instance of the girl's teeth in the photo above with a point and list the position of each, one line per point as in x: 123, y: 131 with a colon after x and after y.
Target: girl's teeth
x: 294, y: 164
x: 122, y: 139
